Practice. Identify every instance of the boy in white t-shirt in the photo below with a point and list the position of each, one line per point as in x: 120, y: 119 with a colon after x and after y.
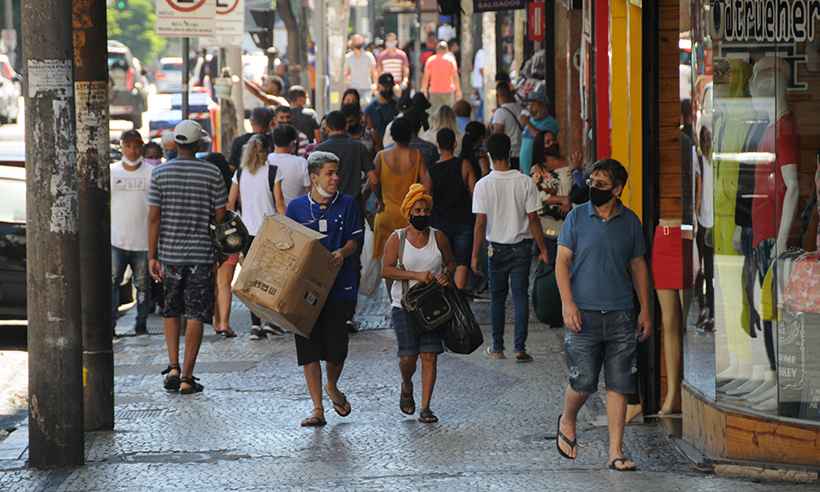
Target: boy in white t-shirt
x: 292, y: 179
x: 506, y: 204
x: 130, y: 178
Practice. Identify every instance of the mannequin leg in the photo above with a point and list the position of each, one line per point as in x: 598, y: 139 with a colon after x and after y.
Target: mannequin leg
x: 671, y: 316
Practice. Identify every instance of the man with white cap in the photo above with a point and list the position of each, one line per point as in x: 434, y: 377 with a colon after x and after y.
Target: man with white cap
x: 185, y: 195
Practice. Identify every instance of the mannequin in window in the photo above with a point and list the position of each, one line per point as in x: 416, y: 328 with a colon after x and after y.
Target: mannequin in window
x: 773, y: 206
x: 704, y: 207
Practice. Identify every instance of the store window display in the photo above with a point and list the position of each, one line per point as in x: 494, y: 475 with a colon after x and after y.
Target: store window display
x: 757, y: 158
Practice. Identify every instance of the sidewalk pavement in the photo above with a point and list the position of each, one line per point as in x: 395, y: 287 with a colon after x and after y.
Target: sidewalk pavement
x: 497, y: 425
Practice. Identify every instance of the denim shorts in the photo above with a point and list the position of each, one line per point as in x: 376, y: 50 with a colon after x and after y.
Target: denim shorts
x: 460, y: 237
x: 411, y: 341
x: 606, y: 339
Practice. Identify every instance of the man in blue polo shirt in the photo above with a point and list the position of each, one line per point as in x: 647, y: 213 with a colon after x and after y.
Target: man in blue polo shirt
x: 599, y: 268
x: 329, y: 212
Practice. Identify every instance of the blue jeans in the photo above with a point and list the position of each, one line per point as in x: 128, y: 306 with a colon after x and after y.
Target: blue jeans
x: 138, y: 261
x: 509, y: 267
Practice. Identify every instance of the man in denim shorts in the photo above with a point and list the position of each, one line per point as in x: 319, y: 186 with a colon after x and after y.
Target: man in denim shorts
x: 599, y: 268
x: 185, y: 194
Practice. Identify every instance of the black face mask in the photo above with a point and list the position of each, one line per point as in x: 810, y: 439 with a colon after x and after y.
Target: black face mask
x: 387, y: 94
x: 599, y: 197
x: 420, y: 222
x: 355, y: 129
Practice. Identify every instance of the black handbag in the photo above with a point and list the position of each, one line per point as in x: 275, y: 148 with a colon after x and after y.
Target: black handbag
x: 428, y: 306
x: 425, y: 303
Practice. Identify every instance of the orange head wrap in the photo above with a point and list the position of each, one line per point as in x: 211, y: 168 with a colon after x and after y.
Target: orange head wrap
x: 415, y: 193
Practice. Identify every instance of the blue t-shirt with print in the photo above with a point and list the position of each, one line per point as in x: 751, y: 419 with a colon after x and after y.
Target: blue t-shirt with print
x: 344, y: 223
x: 546, y: 124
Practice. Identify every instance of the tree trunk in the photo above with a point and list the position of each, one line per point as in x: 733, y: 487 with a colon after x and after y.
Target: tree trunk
x: 297, y: 55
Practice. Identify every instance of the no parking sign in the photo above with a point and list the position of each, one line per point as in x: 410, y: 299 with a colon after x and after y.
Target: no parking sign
x: 187, y: 18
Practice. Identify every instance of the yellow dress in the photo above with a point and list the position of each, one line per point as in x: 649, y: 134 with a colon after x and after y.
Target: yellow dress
x: 394, y: 187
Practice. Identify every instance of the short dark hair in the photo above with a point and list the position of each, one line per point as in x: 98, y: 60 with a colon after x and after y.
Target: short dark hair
x: 446, y: 139
x: 284, y: 135
x: 402, y: 130
x: 504, y: 91
x: 152, y: 145
x: 612, y: 168
x: 130, y: 136
x: 262, y: 116
x: 278, y: 81
x: 282, y: 109
x: 498, y: 145
x: 336, y: 121
x: 462, y: 108
x: 296, y: 91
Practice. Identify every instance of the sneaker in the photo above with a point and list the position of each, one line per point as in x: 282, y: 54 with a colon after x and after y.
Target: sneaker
x: 495, y: 355
x: 272, y: 329
x: 352, y: 326
x: 257, y: 333
x: 523, y: 357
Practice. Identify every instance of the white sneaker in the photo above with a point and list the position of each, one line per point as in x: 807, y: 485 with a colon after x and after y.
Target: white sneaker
x: 257, y: 333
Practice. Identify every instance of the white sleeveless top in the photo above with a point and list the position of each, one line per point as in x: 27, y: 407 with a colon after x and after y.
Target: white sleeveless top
x: 426, y: 259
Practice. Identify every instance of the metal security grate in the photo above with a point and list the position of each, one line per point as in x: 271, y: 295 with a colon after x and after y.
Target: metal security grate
x: 145, y: 413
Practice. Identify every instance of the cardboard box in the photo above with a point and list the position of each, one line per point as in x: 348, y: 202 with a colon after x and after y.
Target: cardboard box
x: 287, y: 275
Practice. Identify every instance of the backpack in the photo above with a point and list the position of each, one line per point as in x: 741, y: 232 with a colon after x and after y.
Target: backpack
x: 546, y: 298
x: 271, y: 176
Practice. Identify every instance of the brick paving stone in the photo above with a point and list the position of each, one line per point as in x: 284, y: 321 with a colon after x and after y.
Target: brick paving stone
x: 496, y: 430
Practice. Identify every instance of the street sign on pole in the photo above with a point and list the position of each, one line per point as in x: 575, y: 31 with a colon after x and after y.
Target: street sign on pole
x: 186, y: 18
x: 230, y: 22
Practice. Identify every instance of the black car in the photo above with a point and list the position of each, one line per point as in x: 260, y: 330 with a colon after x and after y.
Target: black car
x: 13, y: 239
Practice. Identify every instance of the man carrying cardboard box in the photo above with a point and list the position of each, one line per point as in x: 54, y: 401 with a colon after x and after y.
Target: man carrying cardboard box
x: 329, y: 212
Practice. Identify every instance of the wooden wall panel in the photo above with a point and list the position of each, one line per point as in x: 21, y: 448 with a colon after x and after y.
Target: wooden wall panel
x: 669, y: 109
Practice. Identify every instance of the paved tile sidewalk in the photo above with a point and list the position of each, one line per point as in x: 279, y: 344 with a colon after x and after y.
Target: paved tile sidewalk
x: 496, y: 430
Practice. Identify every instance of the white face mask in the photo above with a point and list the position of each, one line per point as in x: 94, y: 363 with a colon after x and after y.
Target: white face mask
x: 391, y: 44
x: 128, y: 161
x: 323, y: 193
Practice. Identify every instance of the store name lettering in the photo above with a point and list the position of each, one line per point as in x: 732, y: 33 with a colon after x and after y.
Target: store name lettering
x: 768, y: 21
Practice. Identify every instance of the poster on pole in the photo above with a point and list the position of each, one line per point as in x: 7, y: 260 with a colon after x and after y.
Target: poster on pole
x: 186, y: 18
x: 498, y: 5
x: 230, y: 22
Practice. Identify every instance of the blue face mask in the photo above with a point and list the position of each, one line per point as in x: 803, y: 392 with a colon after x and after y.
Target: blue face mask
x: 170, y: 154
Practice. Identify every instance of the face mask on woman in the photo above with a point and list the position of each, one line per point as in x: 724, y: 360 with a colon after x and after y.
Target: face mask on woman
x: 420, y: 222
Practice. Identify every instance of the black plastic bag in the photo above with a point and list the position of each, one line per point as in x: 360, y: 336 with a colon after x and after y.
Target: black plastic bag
x: 462, y: 335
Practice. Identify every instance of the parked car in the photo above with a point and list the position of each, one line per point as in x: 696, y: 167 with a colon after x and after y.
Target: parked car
x: 169, y: 75
x: 10, y: 91
x: 127, y: 95
x: 13, y: 237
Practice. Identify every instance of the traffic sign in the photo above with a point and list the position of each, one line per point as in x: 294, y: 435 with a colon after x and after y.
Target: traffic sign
x: 186, y: 18
x: 230, y: 22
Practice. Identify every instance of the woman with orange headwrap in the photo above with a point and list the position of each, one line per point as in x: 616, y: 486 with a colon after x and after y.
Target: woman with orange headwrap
x: 426, y: 258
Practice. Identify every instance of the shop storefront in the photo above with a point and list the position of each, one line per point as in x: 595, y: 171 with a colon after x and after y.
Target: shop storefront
x: 750, y: 91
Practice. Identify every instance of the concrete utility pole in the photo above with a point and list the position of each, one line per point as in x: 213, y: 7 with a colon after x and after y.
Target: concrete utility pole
x: 186, y: 77
x: 91, y: 94
x: 52, y: 238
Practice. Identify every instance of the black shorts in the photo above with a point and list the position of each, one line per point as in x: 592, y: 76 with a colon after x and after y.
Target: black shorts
x: 329, y: 338
x: 188, y: 290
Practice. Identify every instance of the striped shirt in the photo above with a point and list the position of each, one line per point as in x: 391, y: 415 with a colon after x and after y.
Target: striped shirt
x: 187, y: 192
x: 394, y: 64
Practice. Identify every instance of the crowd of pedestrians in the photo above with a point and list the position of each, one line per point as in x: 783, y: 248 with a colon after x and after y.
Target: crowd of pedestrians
x: 447, y: 199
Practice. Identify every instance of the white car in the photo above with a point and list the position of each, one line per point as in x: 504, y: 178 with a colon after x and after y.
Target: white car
x: 169, y: 75
x: 10, y: 92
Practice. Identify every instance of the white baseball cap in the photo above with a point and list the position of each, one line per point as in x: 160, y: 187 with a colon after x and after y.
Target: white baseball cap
x: 187, y: 132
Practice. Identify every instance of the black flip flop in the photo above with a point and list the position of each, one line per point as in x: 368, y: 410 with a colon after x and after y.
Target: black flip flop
x: 407, y: 404
x: 314, y: 421
x: 622, y: 461
x: 559, y: 436
x: 426, y: 416
x: 193, y: 386
x: 342, y: 407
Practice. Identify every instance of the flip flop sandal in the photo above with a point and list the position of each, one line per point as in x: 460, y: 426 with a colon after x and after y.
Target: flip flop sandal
x: 613, y: 465
x: 314, y: 421
x: 407, y: 404
x: 426, y: 416
x: 193, y: 386
x: 560, y: 436
x: 342, y: 407
x: 227, y: 332
x: 171, y: 381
